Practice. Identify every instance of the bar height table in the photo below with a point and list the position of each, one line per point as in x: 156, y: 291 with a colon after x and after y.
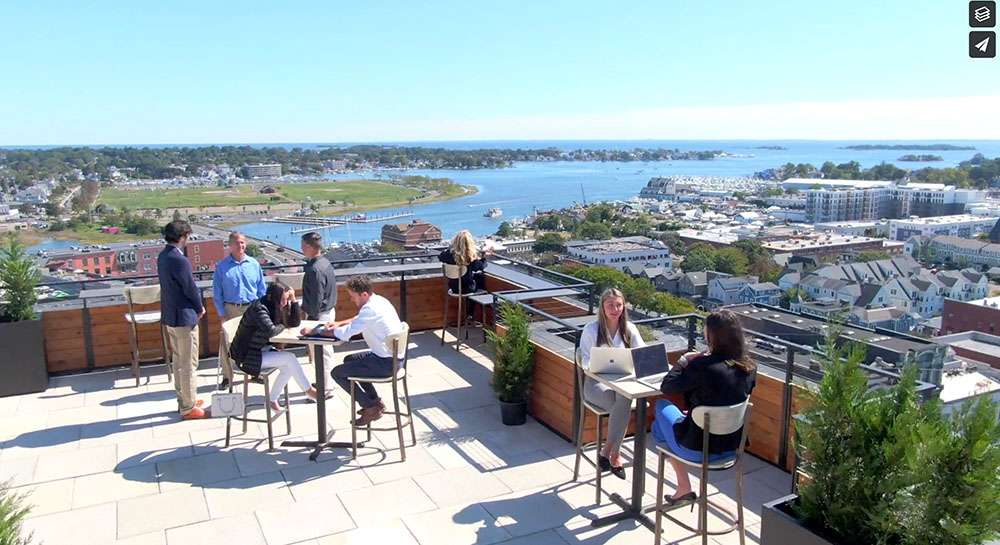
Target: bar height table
x: 635, y: 390
x: 291, y: 336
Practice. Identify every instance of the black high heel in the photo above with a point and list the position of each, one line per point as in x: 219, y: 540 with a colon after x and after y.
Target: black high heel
x: 672, y: 503
x: 604, y: 463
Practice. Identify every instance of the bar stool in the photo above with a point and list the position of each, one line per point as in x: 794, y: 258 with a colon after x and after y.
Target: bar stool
x: 454, y: 272
x: 602, y: 416
x: 229, y: 332
x: 398, y: 344
x: 145, y: 295
x: 713, y: 421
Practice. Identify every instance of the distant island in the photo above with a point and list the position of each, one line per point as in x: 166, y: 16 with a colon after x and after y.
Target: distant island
x: 24, y: 167
x: 775, y: 148
x: 909, y: 147
x: 920, y: 158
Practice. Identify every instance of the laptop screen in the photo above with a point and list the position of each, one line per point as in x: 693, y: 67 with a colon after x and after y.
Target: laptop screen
x: 650, y: 360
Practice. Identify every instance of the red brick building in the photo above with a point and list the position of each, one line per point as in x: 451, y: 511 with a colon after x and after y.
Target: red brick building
x: 135, y: 260
x: 982, y: 315
x: 410, y: 235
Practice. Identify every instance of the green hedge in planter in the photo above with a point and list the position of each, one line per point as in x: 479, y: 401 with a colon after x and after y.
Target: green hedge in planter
x: 514, y: 363
x: 18, y: 278
x: 885, y: 469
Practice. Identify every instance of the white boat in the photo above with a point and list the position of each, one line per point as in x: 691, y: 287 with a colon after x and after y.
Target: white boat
x: 493, y: 213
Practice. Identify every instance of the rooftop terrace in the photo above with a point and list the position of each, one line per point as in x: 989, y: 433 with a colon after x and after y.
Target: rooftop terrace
x: 107, y: 462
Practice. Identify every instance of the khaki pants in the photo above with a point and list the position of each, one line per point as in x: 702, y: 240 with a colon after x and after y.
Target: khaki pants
x: 329, y: 316
x: 225, y: 362
x: 184, y: 346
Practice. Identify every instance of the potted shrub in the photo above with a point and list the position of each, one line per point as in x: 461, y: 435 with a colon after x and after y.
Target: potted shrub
x: 23, y: 362
x: 13, y: 510
x: 513, y: 364
x: 881, y: 468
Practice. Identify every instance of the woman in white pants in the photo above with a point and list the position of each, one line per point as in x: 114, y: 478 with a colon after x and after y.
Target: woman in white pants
x: 263, y: 319
x: 614, y: 329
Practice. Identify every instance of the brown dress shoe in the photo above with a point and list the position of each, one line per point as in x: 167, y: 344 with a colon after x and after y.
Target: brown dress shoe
x: 369, y: 415
x: 381, y: 407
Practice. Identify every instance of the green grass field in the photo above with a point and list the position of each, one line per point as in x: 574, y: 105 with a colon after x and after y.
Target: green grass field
x: 182, y: 198
x: 359, y: 193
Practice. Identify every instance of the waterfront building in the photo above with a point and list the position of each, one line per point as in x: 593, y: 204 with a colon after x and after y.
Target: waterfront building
x: 410, y: 236
x: 858, y: 200
x: 960, y: 225
x: 132, y: 259
x: 627, y: 254
x: 271, y: 170
x: 661, y: 189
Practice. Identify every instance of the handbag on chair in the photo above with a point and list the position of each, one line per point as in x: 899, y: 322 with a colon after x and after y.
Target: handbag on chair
x: 227, y: 404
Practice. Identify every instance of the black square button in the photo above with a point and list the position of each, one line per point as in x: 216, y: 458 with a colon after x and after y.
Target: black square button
x: 982, y: 14
x: 982, y: 45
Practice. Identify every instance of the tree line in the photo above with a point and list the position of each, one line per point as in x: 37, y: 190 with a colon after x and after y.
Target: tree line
x: 22, y: 167
x: 978, y: 172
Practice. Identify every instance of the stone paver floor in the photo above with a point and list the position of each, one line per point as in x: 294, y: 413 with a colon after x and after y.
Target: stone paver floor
x: 105, y: 462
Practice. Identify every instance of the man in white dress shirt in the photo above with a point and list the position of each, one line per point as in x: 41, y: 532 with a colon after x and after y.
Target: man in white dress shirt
x: 376, y: 320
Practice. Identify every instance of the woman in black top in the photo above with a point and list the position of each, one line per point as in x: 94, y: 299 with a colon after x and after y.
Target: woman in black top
x: 252, y: 350
x: 463, y: 252
x: 723, y: 375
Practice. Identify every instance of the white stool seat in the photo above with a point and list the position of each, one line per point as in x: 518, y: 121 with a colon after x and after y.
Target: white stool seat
x: 714, y: 465
x: 144, y: 317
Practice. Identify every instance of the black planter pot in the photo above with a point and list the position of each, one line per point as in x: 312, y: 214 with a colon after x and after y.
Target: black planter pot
x: 23, y: 361
x: 778, y: 526
x: 514, y: 414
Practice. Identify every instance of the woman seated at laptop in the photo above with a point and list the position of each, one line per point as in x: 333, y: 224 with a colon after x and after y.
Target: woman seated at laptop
x: 720, y: 376
x: 613, y: 329
x: 263, y: 319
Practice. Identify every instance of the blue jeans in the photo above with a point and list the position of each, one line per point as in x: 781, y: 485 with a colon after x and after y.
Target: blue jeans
x: 362, y: 365
x: 667, y: 414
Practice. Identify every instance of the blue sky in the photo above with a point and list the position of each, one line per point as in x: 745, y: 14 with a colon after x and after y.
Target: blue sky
x: 200, y: 72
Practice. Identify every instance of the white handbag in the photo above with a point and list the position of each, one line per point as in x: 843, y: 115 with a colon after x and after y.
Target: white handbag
x: 227, y: 404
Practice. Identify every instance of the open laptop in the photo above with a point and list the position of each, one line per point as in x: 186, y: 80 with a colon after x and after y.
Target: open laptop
x: 646, y: 364
x: 607, y: 360
x: 650, y: 364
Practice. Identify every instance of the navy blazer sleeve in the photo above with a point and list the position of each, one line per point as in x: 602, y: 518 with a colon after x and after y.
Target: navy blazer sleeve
x: 185, y: 279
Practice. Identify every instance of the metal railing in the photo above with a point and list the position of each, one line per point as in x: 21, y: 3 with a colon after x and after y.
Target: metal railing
x: 791, y: 362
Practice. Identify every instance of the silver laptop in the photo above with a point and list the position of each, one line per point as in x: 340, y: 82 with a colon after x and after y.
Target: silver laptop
x: 608, y: 360
x: 650, y: 364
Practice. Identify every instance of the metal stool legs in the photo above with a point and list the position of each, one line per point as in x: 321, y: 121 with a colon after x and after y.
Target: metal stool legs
x: 269, y: 416
x: 581, y: 447
x: 703, y: 503
x: 402, y: 418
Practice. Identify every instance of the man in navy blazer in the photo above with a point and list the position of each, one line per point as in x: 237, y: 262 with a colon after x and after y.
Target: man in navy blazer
x: 181, y: 309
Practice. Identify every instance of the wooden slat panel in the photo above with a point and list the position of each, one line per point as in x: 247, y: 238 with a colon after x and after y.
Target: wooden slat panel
x: 65, y: 349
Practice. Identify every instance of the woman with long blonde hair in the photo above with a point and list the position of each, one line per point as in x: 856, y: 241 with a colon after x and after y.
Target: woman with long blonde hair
x: 720, y: 376
x: 463, y: 252
x: 614, y: 329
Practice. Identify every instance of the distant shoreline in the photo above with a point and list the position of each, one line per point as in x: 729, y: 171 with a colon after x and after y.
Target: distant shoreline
x: 910, y: 147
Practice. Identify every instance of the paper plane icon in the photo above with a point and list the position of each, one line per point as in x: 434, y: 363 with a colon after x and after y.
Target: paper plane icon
x: 983, y: 45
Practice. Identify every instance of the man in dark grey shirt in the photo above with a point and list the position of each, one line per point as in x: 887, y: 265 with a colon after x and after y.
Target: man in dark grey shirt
x: 319, y: 288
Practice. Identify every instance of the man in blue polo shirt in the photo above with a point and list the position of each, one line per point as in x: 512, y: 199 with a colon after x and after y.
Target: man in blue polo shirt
x: 238, y: 281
